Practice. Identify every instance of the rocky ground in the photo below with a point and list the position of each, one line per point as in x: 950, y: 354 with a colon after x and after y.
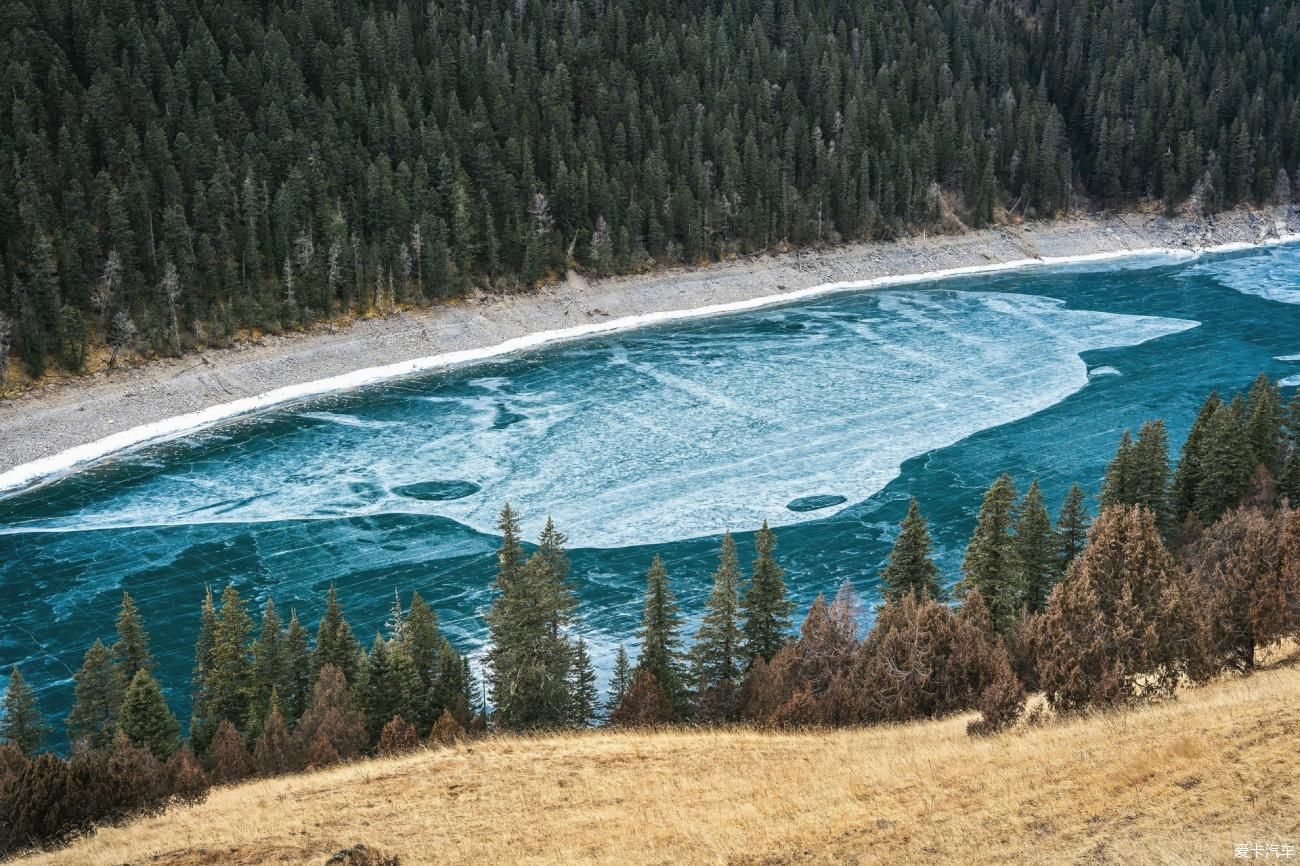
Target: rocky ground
x: 49, y: 420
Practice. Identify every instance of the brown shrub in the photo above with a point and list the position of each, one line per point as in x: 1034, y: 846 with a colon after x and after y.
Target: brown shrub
x: 1122, y: 625
x: 228, y: 760
x: 186, y: 781
x: 42, y: 805
x: 1003, y: 700
x: 447, y: 731
x: 802, y: 710
x: 646, y: 704
x: 330, y: 718
x: 398, y: 737
x: 275, y: 752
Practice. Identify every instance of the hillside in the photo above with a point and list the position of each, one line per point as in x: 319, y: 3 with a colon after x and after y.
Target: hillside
x: 1177, y: 783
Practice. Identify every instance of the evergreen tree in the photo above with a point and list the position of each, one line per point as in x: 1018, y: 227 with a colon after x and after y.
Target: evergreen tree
x: 147, y: 720
x: 1071, y: 528
x: 620, y: 681
x: 335, y: 643
x: 22, y: 723
x: 1035, y: 551
x: 131, y: 651
x: 718, y: 654
x: 660, y: 635
x: 425, y: 645
x: 297, y: 669
x: 910, y: 570
x: 766, y: 606
x: 582, y: 686
x: 990, y: 563
x: 98, y: 690
x: 226, y: 694
x: 530, y: 655
x: 202, y: 725
x: 1264, y: 424
x: 1191, y: 470
x: 270, y: 671
x: 1225, y: 464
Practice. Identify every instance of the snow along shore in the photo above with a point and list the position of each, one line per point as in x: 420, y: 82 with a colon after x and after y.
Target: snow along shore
x: 47, y: 431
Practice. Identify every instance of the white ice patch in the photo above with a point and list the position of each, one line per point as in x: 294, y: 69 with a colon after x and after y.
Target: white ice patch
x: 666, y: 435
x: 1270, y: 274
x: 1105, y: 370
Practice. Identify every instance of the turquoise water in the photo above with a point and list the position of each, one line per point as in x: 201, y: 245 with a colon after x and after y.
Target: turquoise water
x: 821, y: 417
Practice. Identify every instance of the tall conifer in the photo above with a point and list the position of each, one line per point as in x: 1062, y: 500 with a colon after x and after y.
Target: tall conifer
x: 660, y: 635
x: 766, y: 605
x: 910, y: 570
x: 22, y: 723
x: 98, y: 697
x: 718, y: 654
x: 990, y: 565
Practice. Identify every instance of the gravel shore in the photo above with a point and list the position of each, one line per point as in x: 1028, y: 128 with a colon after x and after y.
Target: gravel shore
x: 50, y: 420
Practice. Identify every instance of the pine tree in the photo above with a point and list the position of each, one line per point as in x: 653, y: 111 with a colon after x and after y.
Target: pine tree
x: 1034, y: 550
x: 335, y: 643
x: 226, y: 692
x: 22, y: 724
x: 910, y: 570
x: 766, y: 606
x: 131, y: 651
x: 619, y: 682
x: 660, y: 635
x: 1071, y: 528
x: 1225, y: 463
x: 989, y: 565
x: 99, y: 688
x: 1120, y: 485
x: 424, y: 644
x: 147, y: 720
x: 582, y: 686
x: 718, y: 654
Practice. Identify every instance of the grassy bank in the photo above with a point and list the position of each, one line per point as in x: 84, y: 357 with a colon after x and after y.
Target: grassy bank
x: 1176, y: 783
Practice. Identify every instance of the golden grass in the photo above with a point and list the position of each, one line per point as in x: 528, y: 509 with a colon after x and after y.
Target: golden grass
x: 1176, y: 783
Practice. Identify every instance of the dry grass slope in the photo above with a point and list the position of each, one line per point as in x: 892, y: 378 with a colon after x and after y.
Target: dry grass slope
x: 1177, y: 783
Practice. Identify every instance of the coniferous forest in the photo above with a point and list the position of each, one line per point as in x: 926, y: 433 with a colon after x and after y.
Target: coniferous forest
x: 176, y: 174
x: 1183, y: 576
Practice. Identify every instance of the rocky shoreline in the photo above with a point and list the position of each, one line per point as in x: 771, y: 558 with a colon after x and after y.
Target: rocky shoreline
x: 50, y: 420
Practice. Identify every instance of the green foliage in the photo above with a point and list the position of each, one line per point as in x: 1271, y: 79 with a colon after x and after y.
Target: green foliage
x: 660, y: 636
x: 530, y: 654
x: 620, y: 681
x: 1139, y: 475
x: 990, y: 561
x: 269, y: 164
x: 582, y: 686
x: 718, y: 655
x: 99, y: 689
x: 911, y: 571
x: 131, y: 651
x: 1035, y: 551
x: 335, y: 643
x: 1072, y: 527
x: 22, y: 723
x: 766, y: 605
x: 146, y: 719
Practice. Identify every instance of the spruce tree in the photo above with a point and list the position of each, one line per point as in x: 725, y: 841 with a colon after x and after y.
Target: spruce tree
x: 530, y: 655
x: 619, y: 682
x: 335, y: 643
x: 227, y: 673
x: 22, y: 723
x: 1191, y: 469
x: 98, y: 692
x: 766, y: 606
x: 297, y: 669
x: 660, y: 635
x: 131, y: 651
x: 989, y: 564
x: 910, y: 570
x: 1120, y: 485
x: 1071, y: 528
x: 1225, y: 463
x: 718, y: 654
x: 1264, y: 424
x: 269, y: 668
x: 147, y: 720
x: 203, y: 725
x: 1035, y: 551
x: 582, y: 686
x: 424, y: 645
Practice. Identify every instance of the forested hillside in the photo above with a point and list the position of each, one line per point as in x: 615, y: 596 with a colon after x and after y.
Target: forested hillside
x: 175, y: 172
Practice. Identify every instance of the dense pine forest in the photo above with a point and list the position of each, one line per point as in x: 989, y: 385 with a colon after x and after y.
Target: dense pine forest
x: 1182, y: 577
x: 176, y: 174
